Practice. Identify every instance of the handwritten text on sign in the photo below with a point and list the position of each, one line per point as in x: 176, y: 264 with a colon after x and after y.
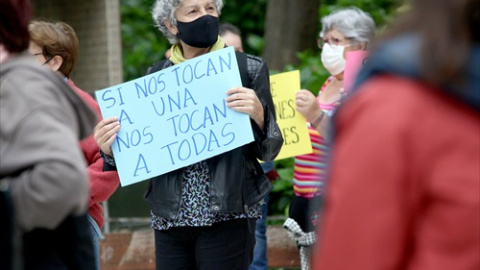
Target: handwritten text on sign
x: 175, y: 117
x: 296, y: 140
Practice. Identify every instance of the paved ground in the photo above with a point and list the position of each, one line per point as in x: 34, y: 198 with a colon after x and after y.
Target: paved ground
x: 135, y: 251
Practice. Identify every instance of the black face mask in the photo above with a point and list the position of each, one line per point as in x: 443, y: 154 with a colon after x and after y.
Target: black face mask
x: 200, y: 33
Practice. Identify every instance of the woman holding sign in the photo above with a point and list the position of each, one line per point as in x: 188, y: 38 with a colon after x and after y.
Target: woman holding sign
x: 204, y: 214
x: 344, y: 30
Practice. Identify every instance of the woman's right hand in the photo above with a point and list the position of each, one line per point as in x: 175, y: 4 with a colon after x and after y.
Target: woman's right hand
x: 105, y: 133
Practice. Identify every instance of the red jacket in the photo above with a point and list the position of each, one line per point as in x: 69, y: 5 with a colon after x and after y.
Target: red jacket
x: 102, y: 184
x: 404, y: 187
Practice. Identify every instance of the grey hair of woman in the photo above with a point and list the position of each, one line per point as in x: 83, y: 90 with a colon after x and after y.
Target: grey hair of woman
x: 164, y: 10
x: 352, y: 23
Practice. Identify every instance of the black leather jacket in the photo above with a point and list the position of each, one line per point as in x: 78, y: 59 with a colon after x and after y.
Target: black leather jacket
x: 237, y: 181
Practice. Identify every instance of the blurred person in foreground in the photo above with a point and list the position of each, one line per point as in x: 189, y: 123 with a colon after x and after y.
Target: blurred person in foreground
x: 204, y: 214
x: 344, y: 30
x: 231, y: 35
x: 44, y: 186
x: 403, y: 191
x: 55, y: 45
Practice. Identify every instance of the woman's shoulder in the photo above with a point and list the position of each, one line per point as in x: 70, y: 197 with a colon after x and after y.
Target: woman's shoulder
x: 162, y: 64
x: 254, y: 59
x: 254, y: 62
x: 251, y: 64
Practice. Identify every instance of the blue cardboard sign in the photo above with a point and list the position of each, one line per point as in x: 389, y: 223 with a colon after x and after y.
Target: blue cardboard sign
x: 176, y: 116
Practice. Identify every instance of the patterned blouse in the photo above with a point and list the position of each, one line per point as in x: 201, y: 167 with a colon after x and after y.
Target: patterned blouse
x: 194, y: 209
x: 309, y: 170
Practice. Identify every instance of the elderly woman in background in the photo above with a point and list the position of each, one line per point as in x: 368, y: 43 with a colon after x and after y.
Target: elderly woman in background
x: 204, y: 214
x: 344, y: 30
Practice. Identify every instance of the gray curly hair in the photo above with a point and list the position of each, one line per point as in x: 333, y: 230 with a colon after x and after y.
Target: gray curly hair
x: 164, y: 10
x: 351, y: 22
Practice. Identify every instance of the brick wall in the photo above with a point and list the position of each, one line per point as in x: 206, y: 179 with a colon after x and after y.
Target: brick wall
x: 97, y: 24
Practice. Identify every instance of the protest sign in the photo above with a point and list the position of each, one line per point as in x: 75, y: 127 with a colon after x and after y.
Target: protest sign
x: 354, y: 62
x: 296, y: 140
x: 176, y: 116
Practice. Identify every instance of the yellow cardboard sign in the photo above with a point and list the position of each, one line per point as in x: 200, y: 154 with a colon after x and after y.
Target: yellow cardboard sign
x: 292, y: 123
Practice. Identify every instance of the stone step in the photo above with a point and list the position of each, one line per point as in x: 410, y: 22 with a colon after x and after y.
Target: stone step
x: 136, y: 250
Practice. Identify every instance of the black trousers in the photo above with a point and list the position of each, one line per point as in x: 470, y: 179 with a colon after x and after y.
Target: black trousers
x: 226, y: 245
x: 67, y: 247
x: 6, y: 230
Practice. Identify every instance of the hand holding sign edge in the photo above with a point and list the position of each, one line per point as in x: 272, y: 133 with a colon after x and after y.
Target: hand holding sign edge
x: 105, y: 133
x: 245, y: 100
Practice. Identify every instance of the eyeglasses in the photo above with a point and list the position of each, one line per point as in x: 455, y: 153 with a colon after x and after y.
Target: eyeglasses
x: 333, y: 42
x: 43, y: 52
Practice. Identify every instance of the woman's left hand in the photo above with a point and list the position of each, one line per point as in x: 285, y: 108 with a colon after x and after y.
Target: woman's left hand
x: 245, y: 100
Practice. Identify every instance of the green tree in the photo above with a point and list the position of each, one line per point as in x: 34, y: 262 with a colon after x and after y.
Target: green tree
x: 249, y: 17
x: 291, y: 27
x: 381, y: 10
x: 142, y: 42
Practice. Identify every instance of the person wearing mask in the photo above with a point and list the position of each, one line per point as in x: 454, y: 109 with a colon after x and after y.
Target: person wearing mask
x: 55, y: 45
x: 205, y: 231
x: 231, y: 35
x: 344, y: 30
x: 404, y: 181
x: 43, y: 181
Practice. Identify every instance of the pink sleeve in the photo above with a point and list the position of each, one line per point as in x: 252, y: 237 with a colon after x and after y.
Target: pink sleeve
x: 102, y: 184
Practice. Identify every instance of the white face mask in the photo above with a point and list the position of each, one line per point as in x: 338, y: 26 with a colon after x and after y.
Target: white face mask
x: 332, y: 58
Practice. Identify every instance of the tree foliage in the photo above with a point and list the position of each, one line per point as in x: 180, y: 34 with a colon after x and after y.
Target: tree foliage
x: 291, y: 26
x: 249, y: 17
x: 142, y: 42
x: 380, y: 10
